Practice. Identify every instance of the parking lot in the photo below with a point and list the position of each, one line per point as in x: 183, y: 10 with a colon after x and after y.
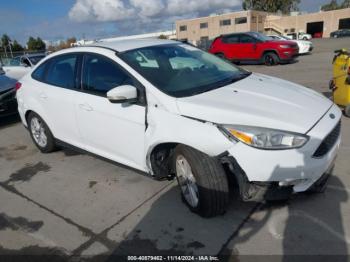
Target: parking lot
x: 70, y: 204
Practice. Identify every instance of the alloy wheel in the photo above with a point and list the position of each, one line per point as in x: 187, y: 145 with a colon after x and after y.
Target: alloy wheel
x: 37, y: 129
x: 187, y: 181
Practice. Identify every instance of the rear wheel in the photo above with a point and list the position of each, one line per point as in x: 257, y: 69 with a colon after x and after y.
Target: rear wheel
x: 41, y: 134
x: 347, y: 110
x: 202, y: 180
x: 270, y: 59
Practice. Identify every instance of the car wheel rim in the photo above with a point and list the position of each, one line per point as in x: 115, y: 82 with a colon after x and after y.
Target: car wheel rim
x: 38, y: 131
x: 187, y: 181
x: 269, y: 60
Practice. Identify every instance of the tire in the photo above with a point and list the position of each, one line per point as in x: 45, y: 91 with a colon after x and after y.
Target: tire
x: 270, y: 59
x: 221, y: 55
x: 206, y: 179
x: 347, y: 111
x: 40, y: 133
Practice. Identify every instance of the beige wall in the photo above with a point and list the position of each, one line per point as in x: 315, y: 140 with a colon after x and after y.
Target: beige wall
x: 258, y: 21
x: 299, y: 23
x: 194, y: 32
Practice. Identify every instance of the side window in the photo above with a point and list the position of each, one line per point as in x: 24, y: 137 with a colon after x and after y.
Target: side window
x: 101, y: 74
x: 61, y: 71
x: 246, y: 39
x: 231, y: 39
x: 39, y: 73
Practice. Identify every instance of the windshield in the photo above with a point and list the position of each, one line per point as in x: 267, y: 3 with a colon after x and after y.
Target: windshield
x: 35, y: 59
x: 182, y: 70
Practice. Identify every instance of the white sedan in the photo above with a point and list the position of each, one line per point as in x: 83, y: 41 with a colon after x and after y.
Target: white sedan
x: 305, y: 47
x: 17, y: 67
x: 203, y: 122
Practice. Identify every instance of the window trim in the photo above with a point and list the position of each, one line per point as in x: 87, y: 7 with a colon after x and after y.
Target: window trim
x: 203, y: 23
x: 183, y: 28
x: 238, y: 20
x: 141, y: 97
x: 221, y: 23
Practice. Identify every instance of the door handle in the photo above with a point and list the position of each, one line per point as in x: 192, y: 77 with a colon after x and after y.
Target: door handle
x: 85, y: 107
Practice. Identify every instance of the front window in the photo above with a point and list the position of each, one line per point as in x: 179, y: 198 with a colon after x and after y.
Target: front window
x: 182, y: 70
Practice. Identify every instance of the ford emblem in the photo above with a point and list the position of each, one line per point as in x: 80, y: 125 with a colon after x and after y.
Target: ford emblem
x: 332, y: 116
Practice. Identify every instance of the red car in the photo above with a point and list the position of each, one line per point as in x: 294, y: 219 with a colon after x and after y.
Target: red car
x: 254, y: 47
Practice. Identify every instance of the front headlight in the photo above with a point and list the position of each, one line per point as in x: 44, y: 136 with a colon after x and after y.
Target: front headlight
x: 264, y: 138
x: 285, y: 46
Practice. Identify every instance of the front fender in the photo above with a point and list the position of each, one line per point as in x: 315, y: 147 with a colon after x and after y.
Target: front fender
x: 166, y: 127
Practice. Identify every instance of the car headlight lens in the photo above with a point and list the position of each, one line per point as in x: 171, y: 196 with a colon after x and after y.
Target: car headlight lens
x: 264, y: 138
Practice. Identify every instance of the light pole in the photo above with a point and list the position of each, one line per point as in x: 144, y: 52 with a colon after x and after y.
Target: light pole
x: 10, y: 42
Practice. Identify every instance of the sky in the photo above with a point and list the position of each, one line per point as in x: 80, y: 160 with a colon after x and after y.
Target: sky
x: 92, y: 19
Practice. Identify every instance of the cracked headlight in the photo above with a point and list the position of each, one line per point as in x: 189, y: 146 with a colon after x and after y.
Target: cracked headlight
x: 264, y: 138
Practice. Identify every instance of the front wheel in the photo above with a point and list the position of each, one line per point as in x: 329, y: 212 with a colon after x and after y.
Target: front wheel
x: 270, y: 59
x: 202, y: 180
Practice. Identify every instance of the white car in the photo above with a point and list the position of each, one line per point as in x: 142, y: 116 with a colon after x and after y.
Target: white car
x: 299, y: 36
x: 19, y: 66
x: 202, y: 124
x: 305, y: 47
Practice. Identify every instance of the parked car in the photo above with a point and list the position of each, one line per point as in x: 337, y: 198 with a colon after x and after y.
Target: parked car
x: 254, y: 47
x: 201, y: 124
x: 17, y: 67
x: 8, y: 102
x: 341, y: 33
x: 304, y: 46
x: 299, y: 36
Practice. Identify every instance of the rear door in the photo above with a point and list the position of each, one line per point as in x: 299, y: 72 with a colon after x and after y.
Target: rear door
x: 114, y: 131
x: 55, y: 94
x: 230, y: 46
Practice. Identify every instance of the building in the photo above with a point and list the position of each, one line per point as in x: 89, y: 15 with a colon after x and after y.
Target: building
x: 202, y: 29
x: 167, y: 34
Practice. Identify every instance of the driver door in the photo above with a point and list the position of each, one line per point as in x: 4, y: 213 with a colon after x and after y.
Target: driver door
x: 114, y: 131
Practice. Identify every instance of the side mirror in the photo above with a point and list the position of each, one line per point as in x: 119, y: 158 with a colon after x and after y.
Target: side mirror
x: 24, y: 65
x: 122, y: 94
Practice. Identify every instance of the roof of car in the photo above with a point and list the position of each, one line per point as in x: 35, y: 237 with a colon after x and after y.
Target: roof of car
x: 125, y: 45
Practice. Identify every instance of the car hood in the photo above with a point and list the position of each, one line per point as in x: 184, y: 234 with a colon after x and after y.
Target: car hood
x: 259, y: 100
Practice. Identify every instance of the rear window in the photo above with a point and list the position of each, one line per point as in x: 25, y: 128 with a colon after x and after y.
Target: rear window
x: 39, y: 73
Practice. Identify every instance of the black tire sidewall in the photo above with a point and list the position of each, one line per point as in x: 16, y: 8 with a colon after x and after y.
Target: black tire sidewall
x: 273, y: 56
x: 50, y: 145
x: 202, y: 180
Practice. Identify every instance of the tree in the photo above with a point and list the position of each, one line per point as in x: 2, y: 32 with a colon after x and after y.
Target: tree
x: 333, y: 5
x: 36, y: 44
x: 272, y: 6
x: 16, y: 47
x: 162, y: 36
x: 5, y: 40
x: 345, y: 4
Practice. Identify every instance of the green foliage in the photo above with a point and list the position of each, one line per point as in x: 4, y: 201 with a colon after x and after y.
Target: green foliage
x: 36, y: 44
x: 16, y: 47
x: 273, y: 6
x: 162, y: 36
x: 333, y: 5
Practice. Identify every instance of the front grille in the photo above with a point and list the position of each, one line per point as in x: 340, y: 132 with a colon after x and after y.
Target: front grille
x: 328, y: 143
